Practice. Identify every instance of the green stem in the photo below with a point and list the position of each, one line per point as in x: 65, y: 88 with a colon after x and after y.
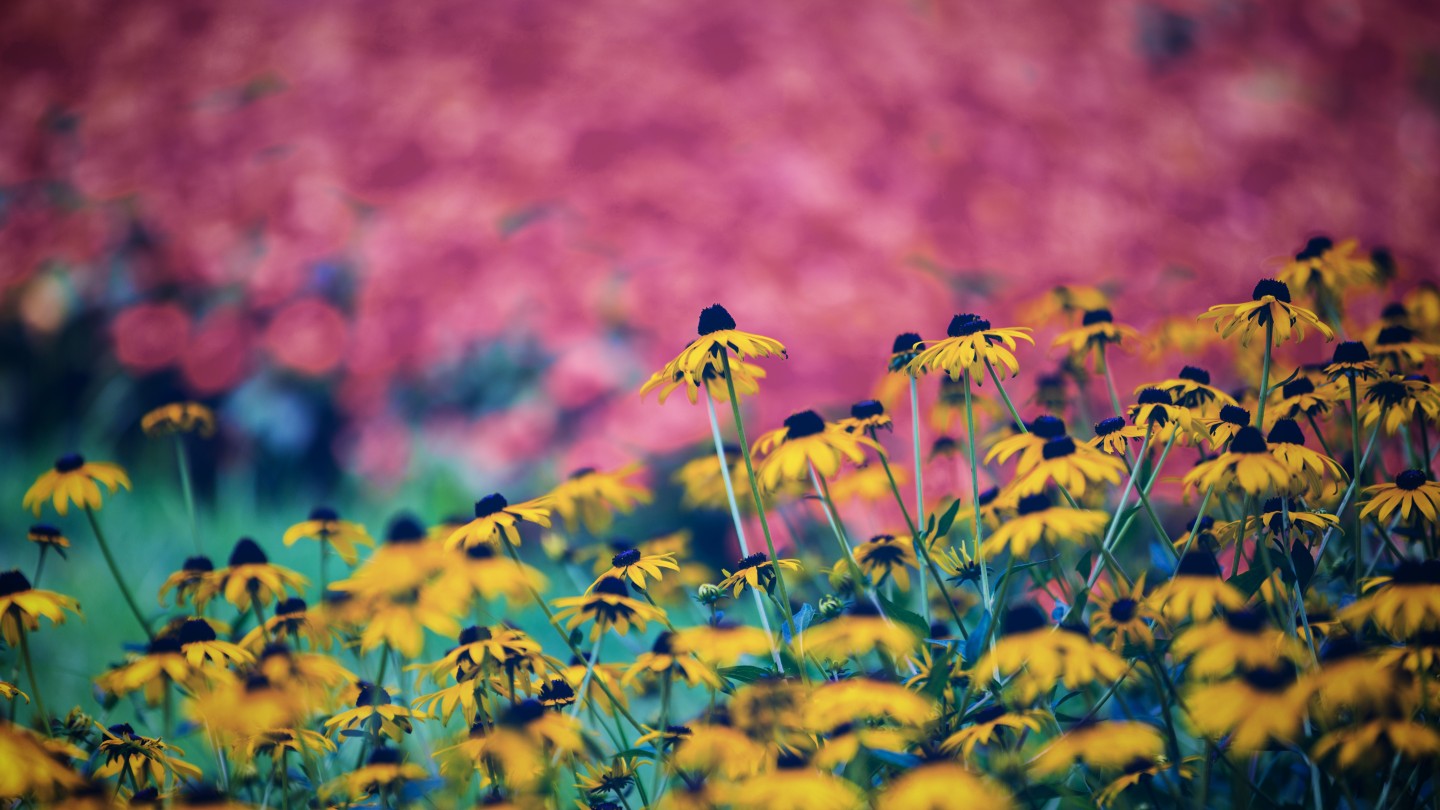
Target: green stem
x: 979, y: 534
x: 755, y: 486
x: 265, y: 631
x: 115, y: 571
x: 923, y: 549
x: 1005, y: 397
x: 39, y: 566
x: 34, y: 682
x: 1359, y: 545
x: 919, y: 491
x: 1109, y: 382
x: 1265, y: 374
x: 665, y: 688
x: 182, y: 460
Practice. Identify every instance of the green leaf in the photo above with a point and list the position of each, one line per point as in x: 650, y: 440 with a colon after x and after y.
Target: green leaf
x: 1249, y: 582
x: 1083, y: 566
x: 939, y: 679
x: 906, y: 617
x: 947, y: 519
x: 745, y: 673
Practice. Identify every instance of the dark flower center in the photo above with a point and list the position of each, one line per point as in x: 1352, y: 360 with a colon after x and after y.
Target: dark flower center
x: 1095, y: 316
x: 162, y: 645
x: 1195, y: 374
x: 1123, y: 610
x: 1388, y: 336
x: 752, y: 561
x: 612, y: 586
x: 1153, y: 396
x: 904, y: 342
x: 714, y: 319
x: 867, y: 409
x: 988, y: 496
x: 1022, y: 619
x: 122, y: 730
x: 1058, y: 448
x: 1271, y: 680
x: 1413, y: 572
x: 804, y: 423
x: 789, y: 761
x: 324, y: 513
x: 1107, y: 427
x: 472, y: 634
x: 1411, y: 480
x: 628, y: 557
x: 44, y: 530
x: 1387, y: 392
x: 198, y: 564
x: 1286, y: 431
x: 1245, y: 621
x: 1315, y: 248
x: 525, y: 712
x: 582, y: 472
x: 862, y: 608
x: 1031, y: 504
x: 1048, y: 427
x: 556, y: 691
x: 1198, y: 564
x: 1248, y: 440
x: 1269, y: 286
x: 966, y: 324
x: 988, y: 714
x: 1351, y: 351
x: 384, y: 756
x: 663, y: 643
x: 196, y: 630
x: 1235, y: 415
x: 1384, y: 262
x: 490, y: 504
x: 248, y: 552
x: 480, y: 551
x: 70, y: 462
x: 291, y: 606
x: 1340, y: 649
x: 275, y: 648
x: 1394, y: 312
x: 1298, y: 386
x: 371, y: 695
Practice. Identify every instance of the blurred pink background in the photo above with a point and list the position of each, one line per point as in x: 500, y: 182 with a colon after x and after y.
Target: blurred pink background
x: 371, y: 193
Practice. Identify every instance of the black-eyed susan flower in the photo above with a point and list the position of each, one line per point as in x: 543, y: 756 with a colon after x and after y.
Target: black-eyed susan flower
x: 1402, y: 604
x: 1196, y: 590
x: 970, y: 345
x: 665, y: 739
x: 1227, y: 422
x: 1047, y: 654
x: 1123, y: 612
x: 251, y: 578
x: 384, y: 773
x: 291, y: 621
x: 404, y: 563
x: 1412, y: 493
x: 637, y: 567
x: 886, y: 556
x: 663, y: 658
x: 1270, y: 304
x: 1300, y: 397
x: 1113, y: 436
x: 374, y: 713
x: 745, y: 376
x: 143, y: 760
x: 325, y: 526
x: 1287, y: 445
x: 481, y: 571
x: 1247, y: 467
x: 756, y: 571
x: 1254, y: 708
x: 1324, y: 267
x: 179, y: 417
x: 598, y: 781
x: 1154, y: 408
x: 806, y: 442
x: 866, y: 417
x: 278, y: 743
x: 1065, y: 301
x: 1038, y: 520
x: 795, y: 784
x: 1352, y: 361
x: 719, y: 336
x: 865, y: 701
x: 1403, y: 349
x: 1370, y: 744
x: 46, y: 536
x: 904, y: 349
x: 1102, y: 746
x: 235, y: 709
x: 721, y: 644
x: 149, y: 672
x: 29, y: 768
x: 201, y: 646
x: 73, y: 480
x: 860, y: 630
x: 10, y: 691
x: 196, y: 583
x: 520, y: 743
x: 1191, y: 388
x: 401, y: 618
x: 1399, y: 401
x: 591, y: 497
x: 609, y: 605
x: 496, y: 520
x: 985, y: 726
x: 556, y: 694
x: 1096, y: 331
x: 1139, y: 772
x: 22, y: 607
x: 1242, y: 639
x: 1071, y: 466
x: 942, y: 786
x: 719, y: 750
x: 1028, y: 445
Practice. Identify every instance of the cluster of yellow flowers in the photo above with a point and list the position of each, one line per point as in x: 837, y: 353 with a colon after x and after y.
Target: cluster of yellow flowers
x: 1096, y: 627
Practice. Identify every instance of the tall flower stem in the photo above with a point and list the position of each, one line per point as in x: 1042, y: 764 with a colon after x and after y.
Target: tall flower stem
x: 40, y: 565
x: 115, y: 571
x: 1005, y: 397
x: 923, y: 549
x: 34, y: 682
x: 585, y: 679
x: 1265, y: 373
x: 919, y: 496
x: 1112, y: 533
x: 665, y: 689
x: 740, y: 525
x: 975, y: 493
x: 1109, y: 381
x: 822, y: 490
x: 182, y: 460
x: 755, y: 487
x: 1359, y: 545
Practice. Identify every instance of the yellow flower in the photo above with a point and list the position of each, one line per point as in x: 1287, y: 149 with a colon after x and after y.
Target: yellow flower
x: 1256, y: 707
x: 1352, y: 361
x: 1240, y: 640
x: 1287, y: 445
x: 1097, y: 329
x: 1029, y: 445
x: 635, y: 566
x: 591, y: 498
x: 292, y: 619
x: 756, y: 571
x: 162, y: 660
x: 1402, y: 604
x: 793, y: 785
x: 942, y: 786
x: 47, y: 536
x: 1270, y: 304
x: 970, y: 345
x: 1400, y: 401
x: 1371, y: 744
x: 887, y: 556
x: 74, y: 480
x: 720, y: 750
x: 863, y: 700
x: 1400, y: 346
x: 747, y: 377
x: 276, y: 743
x: 251, y: 577
x: 1037, y: 520
x: 1196, y: 591
x: 10, y: 691
x: 1300, y: 397
x: 1248, y: 467
x: 375, y: 714
x: 1227, y: 422
x: 1154, y: 408
x: 609, y: 604
x: 806, y: 442
x: 235, y: 710
x: 1322, y: 264
x: 495, y: 520
x: 21, y: 606
x: 718, y: 335
x: 179, y: 417
x: 144, y: 760
x: 325, y: 525
x: 1412, y: 493
x: 722, y: 645
x: 196, y: 583
x: 1104, y: 746
x: 1139, y: 772
x: 382, y: 772
x: 1048, y: 654
x: 400, y: 620
x: 663, y: 657
x: 984, y: 728
x: 1113, y: 436
x: 1191, y: 388
x: 861, y: 630
x: 1123, y: 611
x: 1070, y: 466
x: 27, y: 766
